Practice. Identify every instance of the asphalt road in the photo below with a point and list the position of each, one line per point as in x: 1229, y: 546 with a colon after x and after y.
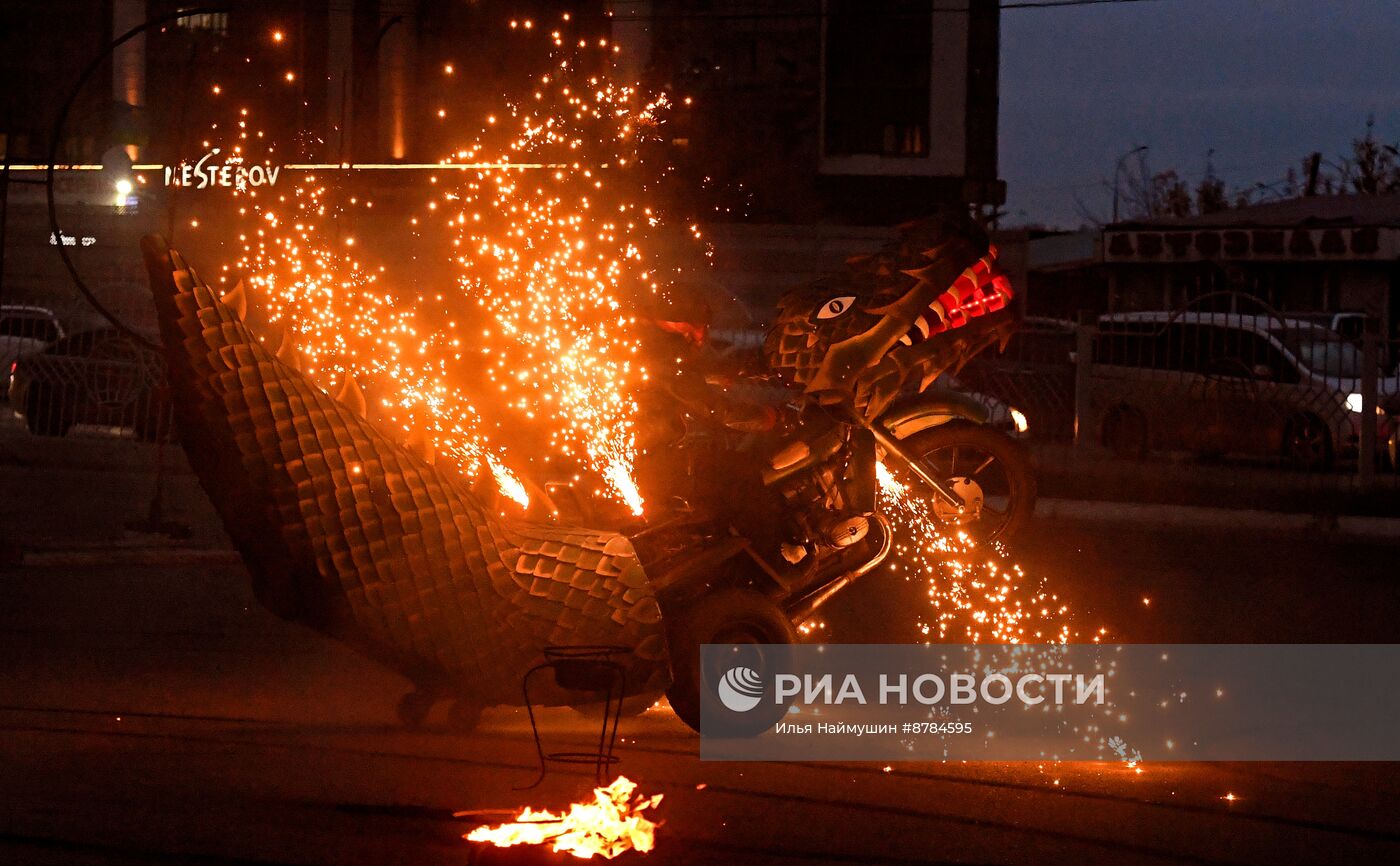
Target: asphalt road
x: 158, y: 715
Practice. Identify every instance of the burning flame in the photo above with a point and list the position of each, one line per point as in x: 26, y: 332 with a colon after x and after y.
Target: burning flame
x: 510, y: 486
x: 609, y: 826
x: 619, y: 476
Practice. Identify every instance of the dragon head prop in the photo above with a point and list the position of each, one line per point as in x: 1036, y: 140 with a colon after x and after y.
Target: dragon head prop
x: 925, y: 303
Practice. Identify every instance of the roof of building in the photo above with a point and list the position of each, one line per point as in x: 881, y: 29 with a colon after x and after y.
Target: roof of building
x: 1345, y: 210
x: 1245, y: 321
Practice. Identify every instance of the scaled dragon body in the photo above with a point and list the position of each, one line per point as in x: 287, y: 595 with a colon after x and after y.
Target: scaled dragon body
x: 347, y: 531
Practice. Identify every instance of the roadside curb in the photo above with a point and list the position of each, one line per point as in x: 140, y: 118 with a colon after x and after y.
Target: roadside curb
x: 1216, y: 518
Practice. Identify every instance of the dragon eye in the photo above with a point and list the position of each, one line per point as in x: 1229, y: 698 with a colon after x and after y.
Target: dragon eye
x: 835, y: 307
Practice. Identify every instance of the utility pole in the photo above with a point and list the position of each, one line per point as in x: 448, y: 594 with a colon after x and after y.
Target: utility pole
x: 1117, y: 170
x: 1370, y: 375
x: 370, y: 57
x: 5, y: 196
x: 1314, y: 164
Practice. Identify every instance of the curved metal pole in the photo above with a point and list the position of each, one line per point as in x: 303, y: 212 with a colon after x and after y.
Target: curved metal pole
x: 60, y: 121
x: 355, y: 85
x: 1117, y: 170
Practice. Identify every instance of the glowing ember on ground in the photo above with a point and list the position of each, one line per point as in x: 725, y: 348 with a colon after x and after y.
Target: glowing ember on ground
x: 611, y: 825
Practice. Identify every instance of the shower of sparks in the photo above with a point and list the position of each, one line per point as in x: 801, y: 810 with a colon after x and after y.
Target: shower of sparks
x: 556, y: 258
x: 343, y: 326
x: 552, y: 249
x: 550, y: 264
x: 976, y: 596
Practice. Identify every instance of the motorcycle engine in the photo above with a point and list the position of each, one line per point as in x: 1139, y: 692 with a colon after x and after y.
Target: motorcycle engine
x: 825, y: 502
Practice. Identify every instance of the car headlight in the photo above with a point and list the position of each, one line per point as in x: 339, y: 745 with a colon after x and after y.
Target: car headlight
x: 1019, y: 420
x: 1355, y: 403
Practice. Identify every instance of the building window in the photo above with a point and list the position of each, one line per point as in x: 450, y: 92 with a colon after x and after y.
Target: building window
x: 209, y: 22
x: 877, y: 77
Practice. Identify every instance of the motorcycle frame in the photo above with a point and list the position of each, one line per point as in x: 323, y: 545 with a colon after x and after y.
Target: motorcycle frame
x: 906, y: 417
x: 901, y: 420
x: 693, y: 574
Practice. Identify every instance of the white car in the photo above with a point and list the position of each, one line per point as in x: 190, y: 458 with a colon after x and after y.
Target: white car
x: 1229, y: 383
x: 25, y: 329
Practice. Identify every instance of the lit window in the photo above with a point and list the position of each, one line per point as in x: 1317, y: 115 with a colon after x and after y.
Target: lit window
x: 212, y: 22
x: 877, y: 78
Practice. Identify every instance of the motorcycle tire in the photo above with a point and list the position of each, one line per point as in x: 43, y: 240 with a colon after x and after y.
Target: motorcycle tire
x: 1018, y: 471
x: 746, y: 620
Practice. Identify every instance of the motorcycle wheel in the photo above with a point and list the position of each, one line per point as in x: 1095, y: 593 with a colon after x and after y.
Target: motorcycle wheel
x: 983, y: 466
x: 741, y: 618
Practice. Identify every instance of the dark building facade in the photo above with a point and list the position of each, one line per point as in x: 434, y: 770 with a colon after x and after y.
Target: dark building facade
x: 834, y: 111
x: 799, y: 124
x: 803, y: 110
x: 39, y: 62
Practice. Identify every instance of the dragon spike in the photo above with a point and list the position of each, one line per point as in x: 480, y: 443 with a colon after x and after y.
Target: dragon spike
x: 287, y: 350
x: 924, y: 274
x: 236, y: 299
x: 352, y: 397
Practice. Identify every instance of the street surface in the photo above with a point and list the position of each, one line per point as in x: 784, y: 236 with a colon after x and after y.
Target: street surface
x: 156, y: 714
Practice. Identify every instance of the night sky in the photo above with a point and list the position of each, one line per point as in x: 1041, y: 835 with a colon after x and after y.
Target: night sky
x: 1263, y: 82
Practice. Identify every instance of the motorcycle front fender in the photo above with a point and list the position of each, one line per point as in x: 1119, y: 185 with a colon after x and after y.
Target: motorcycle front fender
x: 934, y: 407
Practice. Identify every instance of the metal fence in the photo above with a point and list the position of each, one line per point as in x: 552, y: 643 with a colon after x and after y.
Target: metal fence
x: 87, y: 456
x: 1222, y: 402
x: 1222, y: 388
x: 70, y: 373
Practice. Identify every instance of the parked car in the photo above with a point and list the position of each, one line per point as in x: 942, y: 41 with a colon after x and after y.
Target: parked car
x: 1001, y: 415
x: 94, y: 377
x: 25, y: 329
x: 1222, y: 383
x: 1351, y: 326
x: 1035, y: 374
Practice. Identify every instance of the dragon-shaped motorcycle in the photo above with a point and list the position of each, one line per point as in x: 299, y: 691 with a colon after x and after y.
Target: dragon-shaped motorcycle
x: 361, y: 537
